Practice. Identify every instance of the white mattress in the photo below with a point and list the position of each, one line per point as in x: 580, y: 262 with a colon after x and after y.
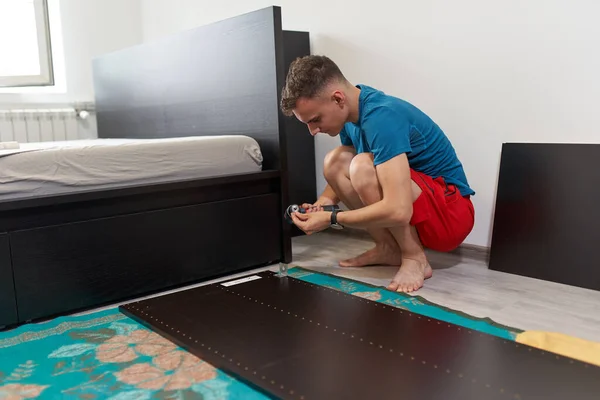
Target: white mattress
x: 40, y: 169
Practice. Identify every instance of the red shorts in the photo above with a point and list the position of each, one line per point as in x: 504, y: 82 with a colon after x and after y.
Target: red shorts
x: 442, y: 216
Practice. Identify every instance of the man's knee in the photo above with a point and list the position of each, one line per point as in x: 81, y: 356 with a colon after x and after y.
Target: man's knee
x: 362, y: 172
x: 337, y: 162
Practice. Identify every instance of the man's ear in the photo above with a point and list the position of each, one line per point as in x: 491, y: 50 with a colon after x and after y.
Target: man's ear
x: 338, y: 97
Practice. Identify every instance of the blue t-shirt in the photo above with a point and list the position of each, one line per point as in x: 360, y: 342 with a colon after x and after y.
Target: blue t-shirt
x: 388, y: 126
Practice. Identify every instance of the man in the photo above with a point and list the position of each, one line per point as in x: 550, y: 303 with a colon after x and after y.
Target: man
x: 395, y: 170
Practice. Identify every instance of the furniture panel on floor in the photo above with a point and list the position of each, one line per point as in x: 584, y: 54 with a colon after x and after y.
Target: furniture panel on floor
x: 297, y: 340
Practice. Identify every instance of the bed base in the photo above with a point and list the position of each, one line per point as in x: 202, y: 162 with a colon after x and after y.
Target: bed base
x: 297, y: 340
x: 8, y: 303
x: 69, y: 253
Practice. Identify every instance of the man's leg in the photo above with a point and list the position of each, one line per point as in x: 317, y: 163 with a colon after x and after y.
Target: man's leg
x: 337, y: 173
x: 414, y: 267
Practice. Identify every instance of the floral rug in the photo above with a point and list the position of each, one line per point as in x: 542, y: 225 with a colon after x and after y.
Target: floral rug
x: 106, y: 355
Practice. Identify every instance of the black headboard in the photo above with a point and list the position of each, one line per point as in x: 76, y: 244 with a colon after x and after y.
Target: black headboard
x: 220, y: 79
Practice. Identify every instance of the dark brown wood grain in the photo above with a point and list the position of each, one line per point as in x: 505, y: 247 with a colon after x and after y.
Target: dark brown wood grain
x: 218, y: 79
x: 300, y: 145
x: 296, y: 340
x: 106, y: 260
x: 547, y: 219
x: 8, y: 306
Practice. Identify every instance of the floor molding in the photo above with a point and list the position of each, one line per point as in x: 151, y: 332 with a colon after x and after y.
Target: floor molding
x: 473, y: 252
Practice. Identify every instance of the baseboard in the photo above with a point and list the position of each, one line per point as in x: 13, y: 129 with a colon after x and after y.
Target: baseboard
x: 465, y: 250
x: 473, y: 252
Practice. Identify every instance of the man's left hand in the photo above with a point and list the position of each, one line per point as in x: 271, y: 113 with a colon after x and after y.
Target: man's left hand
x: 312, y: 222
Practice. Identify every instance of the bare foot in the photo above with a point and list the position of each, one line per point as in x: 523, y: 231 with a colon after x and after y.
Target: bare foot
x: 411, y: 275
x: 379, y: 255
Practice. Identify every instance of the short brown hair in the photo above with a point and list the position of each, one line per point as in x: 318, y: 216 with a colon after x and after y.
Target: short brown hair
x: 306, y: 77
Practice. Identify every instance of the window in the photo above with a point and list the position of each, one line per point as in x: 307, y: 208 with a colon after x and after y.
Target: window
x: 25, y: 51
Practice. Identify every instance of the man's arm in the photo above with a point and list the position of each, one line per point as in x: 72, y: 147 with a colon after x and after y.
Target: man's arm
x: 328, y: 197
x: 395, y: 208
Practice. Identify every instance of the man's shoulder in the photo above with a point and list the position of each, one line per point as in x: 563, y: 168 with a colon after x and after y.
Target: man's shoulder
x: 379, y: 107
x: 372, y: 95
x: 377, y: 103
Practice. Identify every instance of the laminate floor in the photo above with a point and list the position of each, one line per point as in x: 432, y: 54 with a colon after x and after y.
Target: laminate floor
x: 467, y: 285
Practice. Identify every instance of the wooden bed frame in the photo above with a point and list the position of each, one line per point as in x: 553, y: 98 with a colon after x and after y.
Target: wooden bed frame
x: 66, y: 253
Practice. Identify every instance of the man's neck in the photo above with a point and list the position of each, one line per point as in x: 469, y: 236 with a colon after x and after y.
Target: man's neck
x: 352, y: 96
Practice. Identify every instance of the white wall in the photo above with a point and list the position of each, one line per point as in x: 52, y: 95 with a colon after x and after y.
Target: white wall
x: 88, y: 28
x: 487, y: 71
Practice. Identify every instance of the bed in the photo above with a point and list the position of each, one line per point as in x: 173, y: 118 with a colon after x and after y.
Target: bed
x: 187, y: 181
x: 51, y: 168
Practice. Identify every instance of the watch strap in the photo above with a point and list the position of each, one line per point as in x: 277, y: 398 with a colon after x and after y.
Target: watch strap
x: 334, y: 217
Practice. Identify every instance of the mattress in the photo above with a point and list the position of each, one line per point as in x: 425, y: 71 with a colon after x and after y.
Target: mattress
x: 50, y: 168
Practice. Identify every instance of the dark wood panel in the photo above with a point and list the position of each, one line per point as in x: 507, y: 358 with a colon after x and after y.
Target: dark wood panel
x: 295, y: 340
x: 61, y: 209
x: 300, y: 145
x: 278, y: 46
x: 217, y: 79
x: 546, y: 216
x: 8, y: 306
x: 80, y: 265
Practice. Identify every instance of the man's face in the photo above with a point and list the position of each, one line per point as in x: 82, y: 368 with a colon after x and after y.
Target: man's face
x: 322, y: 114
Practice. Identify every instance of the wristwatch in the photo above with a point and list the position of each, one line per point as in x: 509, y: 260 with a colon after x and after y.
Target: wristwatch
x: 334, y: 223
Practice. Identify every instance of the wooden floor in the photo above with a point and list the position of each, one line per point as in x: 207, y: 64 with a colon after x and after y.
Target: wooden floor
x: 467, y: 285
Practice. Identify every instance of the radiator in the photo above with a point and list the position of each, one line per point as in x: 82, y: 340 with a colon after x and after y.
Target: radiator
x: 47, y: 124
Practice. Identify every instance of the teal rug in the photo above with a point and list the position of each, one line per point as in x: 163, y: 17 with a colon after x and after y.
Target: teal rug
x: 106, y: 355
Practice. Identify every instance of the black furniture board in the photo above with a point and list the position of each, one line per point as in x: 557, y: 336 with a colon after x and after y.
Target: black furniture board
x: 217, y: 79
x: 296, y: 340
x: 302, y: 186
x: 8, y: 306
x: 546, y: 215
x: 110, y: 259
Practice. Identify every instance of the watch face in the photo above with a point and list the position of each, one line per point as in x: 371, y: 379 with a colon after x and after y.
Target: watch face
x: 337, y: 226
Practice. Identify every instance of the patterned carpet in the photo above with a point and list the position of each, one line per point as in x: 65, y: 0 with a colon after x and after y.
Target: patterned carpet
x: 106, y: 355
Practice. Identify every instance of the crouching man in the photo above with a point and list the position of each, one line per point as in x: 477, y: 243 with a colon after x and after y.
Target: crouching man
x: 395, y: 170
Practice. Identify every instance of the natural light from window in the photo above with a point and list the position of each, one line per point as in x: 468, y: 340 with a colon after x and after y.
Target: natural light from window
x: 25, y: 44
x: 18, y: 38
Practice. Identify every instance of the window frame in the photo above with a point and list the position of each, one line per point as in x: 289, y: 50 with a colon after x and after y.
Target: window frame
x: 46, y: 75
